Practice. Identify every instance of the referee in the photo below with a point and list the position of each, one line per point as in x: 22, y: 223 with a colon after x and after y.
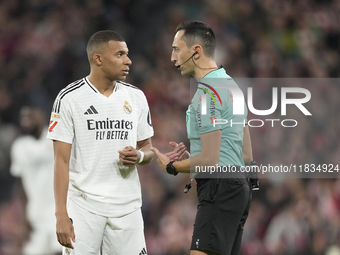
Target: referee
x: 224, y: 201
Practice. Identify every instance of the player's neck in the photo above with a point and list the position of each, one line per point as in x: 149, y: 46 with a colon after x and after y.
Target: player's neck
x: 103, y: 85
x: 204, y: 67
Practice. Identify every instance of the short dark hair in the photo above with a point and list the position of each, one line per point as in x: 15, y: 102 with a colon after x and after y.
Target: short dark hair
x: 198, y: 32
x: 103, y: 36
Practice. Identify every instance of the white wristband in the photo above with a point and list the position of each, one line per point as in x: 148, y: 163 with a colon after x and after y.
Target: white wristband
x: 141, y: 156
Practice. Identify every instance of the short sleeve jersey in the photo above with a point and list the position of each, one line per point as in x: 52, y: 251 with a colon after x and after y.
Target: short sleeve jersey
x: 219, y: 109
x: 97, y: 127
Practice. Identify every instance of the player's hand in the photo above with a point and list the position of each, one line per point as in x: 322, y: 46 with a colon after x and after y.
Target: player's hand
x: 162, y: 159
x: 65, y: 231
x: 179, y: 153
x: 129, y: 156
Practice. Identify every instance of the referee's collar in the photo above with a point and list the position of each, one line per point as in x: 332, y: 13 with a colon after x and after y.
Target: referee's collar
x: 214, y: 72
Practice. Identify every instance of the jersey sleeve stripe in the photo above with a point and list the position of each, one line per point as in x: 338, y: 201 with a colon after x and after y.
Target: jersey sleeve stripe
x: 128, y: 85
x: 70, y: 88
x: 55, y: 106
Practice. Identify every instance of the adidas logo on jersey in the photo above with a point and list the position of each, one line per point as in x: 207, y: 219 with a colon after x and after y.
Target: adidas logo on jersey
x: 91, y: 110
x: 143, y: 252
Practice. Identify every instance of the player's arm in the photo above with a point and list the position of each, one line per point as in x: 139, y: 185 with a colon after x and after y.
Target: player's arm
x: 145, y: 146
x: 209, y: 156
x: 142, y: 155
x: 246, y: 148
x: 65, y: 231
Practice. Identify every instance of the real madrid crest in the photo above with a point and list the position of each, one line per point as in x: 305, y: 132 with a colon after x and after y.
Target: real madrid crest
x: 127, y: 107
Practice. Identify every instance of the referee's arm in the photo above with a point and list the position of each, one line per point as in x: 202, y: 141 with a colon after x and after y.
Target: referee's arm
x: 246, y: 148
x: 209, y: 156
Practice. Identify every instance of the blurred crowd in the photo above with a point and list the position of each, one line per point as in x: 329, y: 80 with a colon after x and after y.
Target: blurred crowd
x: 42, y: 49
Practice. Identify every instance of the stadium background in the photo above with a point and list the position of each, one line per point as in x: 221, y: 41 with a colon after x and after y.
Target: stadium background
x: 42, y: 49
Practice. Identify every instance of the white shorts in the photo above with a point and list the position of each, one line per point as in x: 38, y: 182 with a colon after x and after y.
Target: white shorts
x: 118, y: 236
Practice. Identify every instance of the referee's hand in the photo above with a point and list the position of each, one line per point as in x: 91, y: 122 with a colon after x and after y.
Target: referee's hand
x: 179, y: 152
x: 65, y: 231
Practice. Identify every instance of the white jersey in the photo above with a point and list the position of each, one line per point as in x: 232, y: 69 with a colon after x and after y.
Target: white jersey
x: 97, y: 127
x: 32, y: 161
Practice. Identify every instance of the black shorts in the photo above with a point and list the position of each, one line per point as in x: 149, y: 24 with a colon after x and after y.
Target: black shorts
x: 222, y: 211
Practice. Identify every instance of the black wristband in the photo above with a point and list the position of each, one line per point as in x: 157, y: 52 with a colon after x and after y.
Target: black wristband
x: 171, y: 169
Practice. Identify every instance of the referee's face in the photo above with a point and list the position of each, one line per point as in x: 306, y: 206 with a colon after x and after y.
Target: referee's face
x: 115, y: 61
x: 181, y: 53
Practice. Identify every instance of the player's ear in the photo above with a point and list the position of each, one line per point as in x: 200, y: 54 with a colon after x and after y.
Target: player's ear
x: 97, y: 59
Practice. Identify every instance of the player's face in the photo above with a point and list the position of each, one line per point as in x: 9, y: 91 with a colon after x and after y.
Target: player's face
x: 181, y: 53
x: 115, y: 61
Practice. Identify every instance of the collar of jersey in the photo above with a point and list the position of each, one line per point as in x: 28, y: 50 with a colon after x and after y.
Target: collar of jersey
x: 95, y: 89
x: 215, y: 73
